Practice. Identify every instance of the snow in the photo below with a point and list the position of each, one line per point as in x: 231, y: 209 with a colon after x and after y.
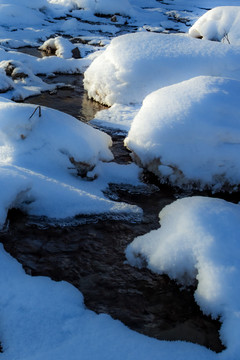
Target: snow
x: 21, y: 71
x: 58, y: 167
x: 199, y: 238
x: 189, y: 133
x: 43, y: 319
x: 134, y: 65
x: 59, y: 45
x: 118, y: 117
x: 219, y: 24
x: 40, y: 158
x: 100, y: 6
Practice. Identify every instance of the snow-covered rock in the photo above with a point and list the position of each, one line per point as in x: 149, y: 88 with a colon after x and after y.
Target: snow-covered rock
x: 134, y: 65
x: 189, y: 133
x: 219, y: 24
x: 199, y: 238
x: 58, y: 46
x: 40, y: 158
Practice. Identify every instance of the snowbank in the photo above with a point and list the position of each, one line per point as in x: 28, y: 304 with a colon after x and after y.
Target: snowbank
x: 199, y: 238
x: 219, y: 24
x: 40, y: 158
x: 189, y: 133
x: 134, y: 65
x: 20, y: 70
x: 43, y: 319
x: 12, y: 15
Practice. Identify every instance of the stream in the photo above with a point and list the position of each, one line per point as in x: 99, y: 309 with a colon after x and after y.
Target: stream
x: 91, y: 254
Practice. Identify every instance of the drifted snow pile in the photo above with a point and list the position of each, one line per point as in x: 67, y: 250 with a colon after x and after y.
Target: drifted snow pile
x: 199, y: 238
x: 189, y: 133
x: 219, y: 24
x: 40, y: 158
x: 134, y: 65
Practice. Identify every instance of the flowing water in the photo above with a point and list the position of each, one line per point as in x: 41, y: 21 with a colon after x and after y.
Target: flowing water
x: 90, y: 254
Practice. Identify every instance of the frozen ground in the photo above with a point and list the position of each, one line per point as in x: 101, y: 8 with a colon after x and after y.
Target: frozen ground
x: 40, y: 157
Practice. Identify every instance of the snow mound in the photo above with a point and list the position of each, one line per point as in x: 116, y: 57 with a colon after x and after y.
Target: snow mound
x: 59, y: 46
x: 52, y: 164
x: 189, y: 133
x: 199, y: 238
x: 134, y: 65
x: 219, y: 24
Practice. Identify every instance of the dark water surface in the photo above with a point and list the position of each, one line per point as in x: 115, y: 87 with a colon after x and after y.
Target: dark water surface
x: 91, y: 256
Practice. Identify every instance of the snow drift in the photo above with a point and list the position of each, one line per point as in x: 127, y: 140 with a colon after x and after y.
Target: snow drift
x: 134, y: 65
x: 199, y: 238
x: 188, y: 134
x: 219, y: 24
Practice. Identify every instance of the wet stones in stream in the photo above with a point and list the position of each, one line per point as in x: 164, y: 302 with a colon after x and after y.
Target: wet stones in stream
x: 91, y: 256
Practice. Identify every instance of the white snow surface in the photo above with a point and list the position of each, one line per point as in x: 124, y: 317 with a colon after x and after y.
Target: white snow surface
x: 100, y: 6
x: 61, y: 46
x: 118, y: 117
x: 199, y: 238
x: 189, y: 133
x: 43, y: 319
x: 38, y: 161
x: 134, y: 65
x: 219, y: 24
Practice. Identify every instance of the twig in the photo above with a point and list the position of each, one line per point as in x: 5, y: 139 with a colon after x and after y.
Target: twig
x: 39, y: 114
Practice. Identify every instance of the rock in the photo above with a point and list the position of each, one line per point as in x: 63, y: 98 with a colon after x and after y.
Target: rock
x: 114, y: 18
x: 76, y: 53
x: 82, y: 167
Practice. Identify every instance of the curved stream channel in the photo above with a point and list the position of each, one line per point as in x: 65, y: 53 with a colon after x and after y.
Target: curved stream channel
x: 91, y: 255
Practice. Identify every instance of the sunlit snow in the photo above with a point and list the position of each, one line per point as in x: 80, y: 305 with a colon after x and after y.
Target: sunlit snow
x: 178, y: 96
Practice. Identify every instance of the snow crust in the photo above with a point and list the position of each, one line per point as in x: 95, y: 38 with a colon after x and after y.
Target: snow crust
x: 189, y: 133
x: 199, y: 238
x: 219, y: 24
x: 40, y: 158
x: 134, y: 65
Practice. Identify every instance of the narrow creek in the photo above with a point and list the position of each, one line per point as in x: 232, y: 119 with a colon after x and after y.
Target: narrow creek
x: 91, y: 255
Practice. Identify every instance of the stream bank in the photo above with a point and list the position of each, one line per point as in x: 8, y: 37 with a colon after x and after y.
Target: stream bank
x: 91, y: 255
